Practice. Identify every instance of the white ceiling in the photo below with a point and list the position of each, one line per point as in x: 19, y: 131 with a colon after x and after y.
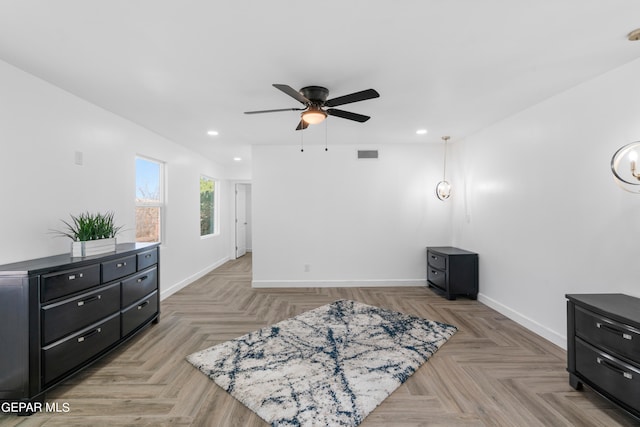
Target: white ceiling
x: 182, y: 67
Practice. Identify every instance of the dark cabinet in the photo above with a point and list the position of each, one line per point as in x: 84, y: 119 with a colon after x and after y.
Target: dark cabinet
x: 60, y: 314
x: 603, y: 346
x: 453, y: 271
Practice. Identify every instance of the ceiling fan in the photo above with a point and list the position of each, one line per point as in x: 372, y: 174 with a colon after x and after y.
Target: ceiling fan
x: 315, y: 100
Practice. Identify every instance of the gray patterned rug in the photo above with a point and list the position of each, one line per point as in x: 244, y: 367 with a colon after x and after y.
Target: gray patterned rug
x: 330, y: 366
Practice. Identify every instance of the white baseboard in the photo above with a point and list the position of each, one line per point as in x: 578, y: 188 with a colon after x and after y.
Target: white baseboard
x: 532, y: 325
x: 167, y: 292
x: 379, y: 283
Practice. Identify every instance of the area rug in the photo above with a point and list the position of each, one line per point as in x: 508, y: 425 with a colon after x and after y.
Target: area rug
x: 330, y: 366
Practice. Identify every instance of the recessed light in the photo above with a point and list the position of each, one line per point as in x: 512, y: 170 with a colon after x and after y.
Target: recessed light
x: 237, y: 159
x: 421, y: 132
x: 213, y: 133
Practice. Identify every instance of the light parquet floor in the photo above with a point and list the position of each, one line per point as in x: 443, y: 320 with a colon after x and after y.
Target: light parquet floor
x: 493, y: 372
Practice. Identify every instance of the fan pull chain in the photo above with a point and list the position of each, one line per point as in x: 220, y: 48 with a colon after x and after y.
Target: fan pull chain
x: 302, y: 139
x: 326, y: 126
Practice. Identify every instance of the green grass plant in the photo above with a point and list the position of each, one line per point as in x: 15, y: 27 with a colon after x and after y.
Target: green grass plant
x: 89, y: 226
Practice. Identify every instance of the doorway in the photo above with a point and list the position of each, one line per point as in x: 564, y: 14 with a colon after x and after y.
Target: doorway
x: 243, y: 219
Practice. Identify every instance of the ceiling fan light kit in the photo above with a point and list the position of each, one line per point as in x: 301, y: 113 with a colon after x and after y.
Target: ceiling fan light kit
x: 314, y: 99
x: 313, y: 116
x: 634, y: 35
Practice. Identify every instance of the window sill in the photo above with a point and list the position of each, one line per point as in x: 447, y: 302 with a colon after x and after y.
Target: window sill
x: 209, y: 236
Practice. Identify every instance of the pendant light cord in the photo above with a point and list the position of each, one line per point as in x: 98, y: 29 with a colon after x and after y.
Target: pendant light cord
x: 444, y: 167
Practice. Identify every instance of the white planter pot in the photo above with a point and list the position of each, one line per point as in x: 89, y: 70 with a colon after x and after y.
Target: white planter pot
x: 93, y: 247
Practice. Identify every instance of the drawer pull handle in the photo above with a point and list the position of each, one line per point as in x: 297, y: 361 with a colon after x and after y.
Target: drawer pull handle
x: 84, y: 337
x: 88, y: 300
x: 147, y: 256
x: 121, y: 264
x: 142, y: 279
x: 74, y: 276
x: 614, y: 368
x: 435, y: 273
x: 614, y: 330
x: 143, y: 305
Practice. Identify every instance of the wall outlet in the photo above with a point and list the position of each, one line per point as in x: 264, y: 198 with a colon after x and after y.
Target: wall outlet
x: 307, y: 268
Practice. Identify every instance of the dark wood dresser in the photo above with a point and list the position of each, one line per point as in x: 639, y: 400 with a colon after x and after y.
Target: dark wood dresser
x: 60, y: 314
x: 603, y: 346
x: 453, y: 271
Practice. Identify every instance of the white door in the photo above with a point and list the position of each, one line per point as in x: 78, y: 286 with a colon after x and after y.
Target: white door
x: 241, y: 220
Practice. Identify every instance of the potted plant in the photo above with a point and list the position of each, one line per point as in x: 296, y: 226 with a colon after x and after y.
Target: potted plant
x: 91, y: 233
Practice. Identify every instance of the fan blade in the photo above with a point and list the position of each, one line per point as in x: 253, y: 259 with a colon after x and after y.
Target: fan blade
x: 302, y: 125
x: 274, y: 111
x: 353, y: 97
x: 292, y: 93
x: 347, y: 115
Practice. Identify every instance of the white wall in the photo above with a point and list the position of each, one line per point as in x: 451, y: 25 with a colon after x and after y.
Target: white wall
x: 540, y: 206
x: 353, y: 222
x: 41, y: 128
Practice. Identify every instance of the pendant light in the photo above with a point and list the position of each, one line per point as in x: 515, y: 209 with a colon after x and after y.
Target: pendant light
x: 624, y: 167
x: 443, y: 189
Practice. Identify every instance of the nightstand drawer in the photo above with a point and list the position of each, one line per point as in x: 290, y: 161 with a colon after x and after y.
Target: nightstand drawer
x: 437, y: 260
x: 67, y: 316
x: 607, y: 334
x: 621, y: 380
x: 68, y: 282
x: 437, y: 278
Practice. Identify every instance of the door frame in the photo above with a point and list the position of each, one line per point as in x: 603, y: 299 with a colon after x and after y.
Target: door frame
x: 234, y: 218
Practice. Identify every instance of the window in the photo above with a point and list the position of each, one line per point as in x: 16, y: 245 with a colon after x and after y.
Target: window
x: 149, y: 200
x: 208, y: 223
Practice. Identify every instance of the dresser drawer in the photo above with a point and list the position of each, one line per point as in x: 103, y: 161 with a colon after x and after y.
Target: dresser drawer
x: 68, y: 282
x: 67, y: 316
x: 436, y: 260
x: 621, y: 380
x: 112, y: 270
x: 139, y: 313
x: 607, y: 334
x: 139, y: 286
x: 437, y: 278
x: 62, y: 356
x: 147, y: 259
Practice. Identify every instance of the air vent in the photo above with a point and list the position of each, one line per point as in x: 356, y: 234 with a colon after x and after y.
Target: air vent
x: 367, y: 154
